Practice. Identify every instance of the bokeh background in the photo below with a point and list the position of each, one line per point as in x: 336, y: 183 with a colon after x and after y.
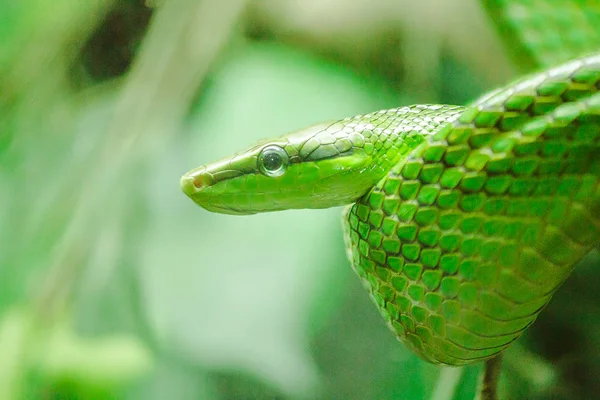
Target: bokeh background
x: 114, y: 285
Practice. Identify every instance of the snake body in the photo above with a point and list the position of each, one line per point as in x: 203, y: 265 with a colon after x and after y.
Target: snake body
x: 461, y: 222
x: 465, y: 241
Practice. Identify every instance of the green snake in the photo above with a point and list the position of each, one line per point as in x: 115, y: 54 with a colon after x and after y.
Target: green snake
x: 461, y: 222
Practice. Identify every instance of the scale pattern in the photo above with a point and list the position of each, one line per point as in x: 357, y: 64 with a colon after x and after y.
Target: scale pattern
x: 465, y: 241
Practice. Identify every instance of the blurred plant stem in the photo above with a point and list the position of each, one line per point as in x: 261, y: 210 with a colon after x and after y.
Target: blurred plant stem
x: 448, y: 381
x: 94, y: 201
x: 488, y: 389
x: 155, y: 98
x: 37, y: 50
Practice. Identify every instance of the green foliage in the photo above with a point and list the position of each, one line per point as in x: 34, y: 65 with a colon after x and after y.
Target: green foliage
x: 115, y: 286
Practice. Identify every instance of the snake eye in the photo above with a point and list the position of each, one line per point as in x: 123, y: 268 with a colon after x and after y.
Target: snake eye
x: 273, y: 161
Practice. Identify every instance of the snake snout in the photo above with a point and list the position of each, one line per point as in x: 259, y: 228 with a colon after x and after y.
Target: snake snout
x: 195, y: 181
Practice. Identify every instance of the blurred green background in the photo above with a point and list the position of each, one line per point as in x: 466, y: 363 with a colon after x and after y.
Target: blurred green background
x: 115, y: 285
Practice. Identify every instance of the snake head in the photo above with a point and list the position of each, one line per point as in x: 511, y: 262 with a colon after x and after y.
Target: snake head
x: 323, y: 166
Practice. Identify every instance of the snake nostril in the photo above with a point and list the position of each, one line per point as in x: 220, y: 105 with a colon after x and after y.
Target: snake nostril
x: 200, y: 181
x: 195, y: 181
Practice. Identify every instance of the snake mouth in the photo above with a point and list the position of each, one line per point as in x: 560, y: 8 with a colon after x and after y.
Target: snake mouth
x: 194, y: 183
x: 225, y: 210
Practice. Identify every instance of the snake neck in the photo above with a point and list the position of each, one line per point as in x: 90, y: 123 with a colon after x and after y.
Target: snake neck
x: 390, y: 135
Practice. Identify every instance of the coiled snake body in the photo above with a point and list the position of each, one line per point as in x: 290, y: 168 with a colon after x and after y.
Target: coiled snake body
x: 461, y: 222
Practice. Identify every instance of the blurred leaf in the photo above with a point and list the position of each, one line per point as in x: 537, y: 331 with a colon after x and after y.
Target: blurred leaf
x: 15, y: 329
x: 108, y: 361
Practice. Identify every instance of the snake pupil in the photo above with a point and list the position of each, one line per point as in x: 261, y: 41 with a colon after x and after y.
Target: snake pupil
x: 272, y: 161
